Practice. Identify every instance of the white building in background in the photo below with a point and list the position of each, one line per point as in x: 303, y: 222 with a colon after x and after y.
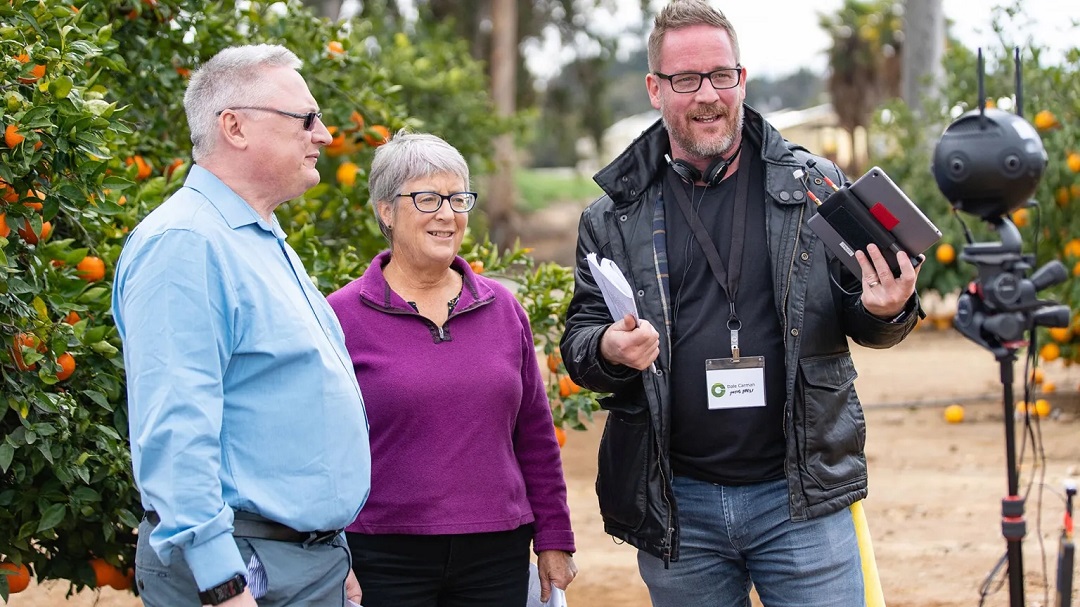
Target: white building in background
x: 814, y: 128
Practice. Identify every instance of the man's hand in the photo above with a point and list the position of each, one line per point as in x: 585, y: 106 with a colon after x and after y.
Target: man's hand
x: 628, y: 342
x: 883, y: 295
x: 555, y: 567
x: 352, y: 588
x: 241, y: 600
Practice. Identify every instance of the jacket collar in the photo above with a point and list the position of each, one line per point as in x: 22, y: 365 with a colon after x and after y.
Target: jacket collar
x: 375, y: 290
x: 640, y: 164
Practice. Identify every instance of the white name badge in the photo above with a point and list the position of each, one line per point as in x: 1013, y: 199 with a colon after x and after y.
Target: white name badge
x: 735, y: 384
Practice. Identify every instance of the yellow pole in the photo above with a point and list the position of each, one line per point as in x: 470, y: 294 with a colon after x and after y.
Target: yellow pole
x: 874, y: 596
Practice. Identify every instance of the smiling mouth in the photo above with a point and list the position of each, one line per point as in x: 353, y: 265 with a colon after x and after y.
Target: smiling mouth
x: 441, y: 234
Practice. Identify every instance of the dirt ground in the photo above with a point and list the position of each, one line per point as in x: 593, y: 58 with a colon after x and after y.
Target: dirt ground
x: 935, y: 488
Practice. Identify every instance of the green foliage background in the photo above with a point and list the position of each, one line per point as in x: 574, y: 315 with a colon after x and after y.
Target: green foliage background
x: 115, y: 72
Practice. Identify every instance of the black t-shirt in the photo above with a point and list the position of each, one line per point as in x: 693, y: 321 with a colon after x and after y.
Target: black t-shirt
x: 726, y: 446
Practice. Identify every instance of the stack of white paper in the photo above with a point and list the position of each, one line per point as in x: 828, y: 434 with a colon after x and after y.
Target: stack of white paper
x: 618, y: 295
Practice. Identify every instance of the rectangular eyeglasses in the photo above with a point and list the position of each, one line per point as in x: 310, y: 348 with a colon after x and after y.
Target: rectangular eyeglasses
x: 430, y: 202
x: 690, y: 82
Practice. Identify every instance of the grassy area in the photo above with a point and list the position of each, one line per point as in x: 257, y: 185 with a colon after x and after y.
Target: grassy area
x: 538, y: 188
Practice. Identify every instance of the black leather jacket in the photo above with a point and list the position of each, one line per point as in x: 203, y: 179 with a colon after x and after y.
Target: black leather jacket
x: 823, y: 421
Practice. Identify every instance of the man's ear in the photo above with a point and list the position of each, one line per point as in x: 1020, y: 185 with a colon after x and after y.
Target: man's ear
x: 233, y: 130
x: 652, y: 83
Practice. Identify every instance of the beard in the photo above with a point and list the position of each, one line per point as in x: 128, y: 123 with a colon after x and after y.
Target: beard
x: 713, y: 146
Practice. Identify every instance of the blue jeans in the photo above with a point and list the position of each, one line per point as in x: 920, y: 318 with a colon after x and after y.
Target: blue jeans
x: 732, y: 537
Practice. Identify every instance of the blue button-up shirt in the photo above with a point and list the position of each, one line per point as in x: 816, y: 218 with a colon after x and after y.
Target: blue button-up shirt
x: 241, y: 394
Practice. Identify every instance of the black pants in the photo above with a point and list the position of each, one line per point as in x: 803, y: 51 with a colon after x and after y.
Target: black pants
x: 469, y: 570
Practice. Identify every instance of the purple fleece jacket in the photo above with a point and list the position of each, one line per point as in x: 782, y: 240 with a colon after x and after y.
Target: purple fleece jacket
x: 462, y: 439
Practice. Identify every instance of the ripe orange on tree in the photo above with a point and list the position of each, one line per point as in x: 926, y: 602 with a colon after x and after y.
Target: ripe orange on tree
x: 19, y: 580
x: 37, y: 206
x: 945, y: 253
x: 12, y: 136
x: 567, y: 386
x: 30, y: 236
x: 1061, y: 334
x: 560, y: 435
x: 1037, y: 375
x: 107, y: 575
x: 553, y: 361
x: 91, y: 268
x: 1045, y: 120
x: 1073, y: 160
x: 72, y: 317
x: 377, y: 135
x: 4, y: 229
x: 143, y: 167
x: 357, y: 120
x: 346, y: 173
x: 67, y: 366
x: 334, y: 49
x: 477, y: 266
x: 1050, y: 352
x: 25, y: 340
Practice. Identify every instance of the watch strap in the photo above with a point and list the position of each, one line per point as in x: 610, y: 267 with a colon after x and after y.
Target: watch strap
x: 230, y: 588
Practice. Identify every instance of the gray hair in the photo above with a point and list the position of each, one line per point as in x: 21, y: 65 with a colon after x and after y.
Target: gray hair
x: 408, y: 156
x: 231, y: 77
x: 685, y: 13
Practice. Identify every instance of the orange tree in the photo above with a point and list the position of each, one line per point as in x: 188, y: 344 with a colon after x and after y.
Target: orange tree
x: 1050, y: 229
x: 94, y: 138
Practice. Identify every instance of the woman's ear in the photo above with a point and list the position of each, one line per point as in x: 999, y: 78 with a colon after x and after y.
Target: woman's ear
x: 386, y: 213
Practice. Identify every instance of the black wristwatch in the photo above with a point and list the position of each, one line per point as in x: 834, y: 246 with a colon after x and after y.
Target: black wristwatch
x: 230, y: 588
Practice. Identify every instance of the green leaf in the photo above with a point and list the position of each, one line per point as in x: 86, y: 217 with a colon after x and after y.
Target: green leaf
x: 7, y: 452
x: 52, y: 517
x: 61, y: 87
x: 127, y: 518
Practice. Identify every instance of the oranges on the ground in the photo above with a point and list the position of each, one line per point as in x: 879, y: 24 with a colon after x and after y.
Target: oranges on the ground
x: 67, y: 366
x: 560, y: 435
x: 567, y: 386
x: 954, y: 414
x: 91, y: 268
x: 19, y: 580
x: 12, y: 136
x: 945, y: 253
x: 346, y: 173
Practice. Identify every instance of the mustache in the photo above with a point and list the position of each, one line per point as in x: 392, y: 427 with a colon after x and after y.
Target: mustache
x: 714, y: 109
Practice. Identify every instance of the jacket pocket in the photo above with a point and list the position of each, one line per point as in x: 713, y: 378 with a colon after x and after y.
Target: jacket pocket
x: 833, y: 430
x: 622, y: 475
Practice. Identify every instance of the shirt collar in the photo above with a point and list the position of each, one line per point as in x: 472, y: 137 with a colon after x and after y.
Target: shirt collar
x: 234, y: 209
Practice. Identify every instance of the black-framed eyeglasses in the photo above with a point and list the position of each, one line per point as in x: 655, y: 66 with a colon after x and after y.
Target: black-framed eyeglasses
x: 308, y: 118
x: 430, y: 202
x: 690, y: 82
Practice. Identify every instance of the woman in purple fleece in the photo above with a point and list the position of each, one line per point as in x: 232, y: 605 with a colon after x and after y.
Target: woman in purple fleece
x: 466, y: 470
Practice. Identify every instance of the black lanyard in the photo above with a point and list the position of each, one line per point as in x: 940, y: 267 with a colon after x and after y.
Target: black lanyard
x: 727, y: 278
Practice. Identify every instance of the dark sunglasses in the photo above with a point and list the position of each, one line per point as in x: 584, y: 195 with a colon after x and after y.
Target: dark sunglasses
x: 308, y: 118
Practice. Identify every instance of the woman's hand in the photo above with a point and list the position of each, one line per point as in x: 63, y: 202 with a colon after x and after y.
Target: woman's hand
x: 555, y: 567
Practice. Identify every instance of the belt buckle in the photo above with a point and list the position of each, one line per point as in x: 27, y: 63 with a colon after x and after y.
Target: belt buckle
x: 320, y: 537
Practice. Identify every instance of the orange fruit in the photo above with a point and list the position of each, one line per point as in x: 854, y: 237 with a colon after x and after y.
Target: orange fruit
x: 945, y: 254
x: 553, y: 361
x: 105, y: 574
x: 1061, y: 196
x: 334, y: 49
x: 1050, y: 352
x: 1045, y: 120
x: 176, y: 163
x: 1072, y: 248
x: 7, y: 193
x: 143, y: 168
x: 346, y: 173
x: 1076, y: 269
x: 477, y: 266
x: 560, y: 435
x: 1073, y: 160
x: 1048, y: 387
x: 954, y: 414
x: 1037, y: 376
x: 1061, y: 334
x: 1020, y: 218
x: 4, y: 229
x: 357, y: 120
x: 91, y: 268
x: 567, y: 386
x: 67, y: 366
x: 36, y: 72
x: 1042, y: 407
x: 19, y: 580
x: 24, y: 340
x: 183, y: 72
x: 377, y: 135
x: 37, y: 206
x: 31, y: 237
x: 12, y: 137
x: 72, y: 317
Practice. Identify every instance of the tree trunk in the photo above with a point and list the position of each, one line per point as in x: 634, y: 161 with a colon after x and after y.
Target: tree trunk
x: 924, y: 46
x: 500, y: 206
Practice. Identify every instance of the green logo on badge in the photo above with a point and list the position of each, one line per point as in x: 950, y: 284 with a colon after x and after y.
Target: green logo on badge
x: 719, y: 390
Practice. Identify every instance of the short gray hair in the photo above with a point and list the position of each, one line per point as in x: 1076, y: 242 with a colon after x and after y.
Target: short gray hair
x: 408, y: 156
x: 231, y: 77
x: 685, y: 13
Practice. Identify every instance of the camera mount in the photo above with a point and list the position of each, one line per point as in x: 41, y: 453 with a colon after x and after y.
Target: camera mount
x: 989, y: 164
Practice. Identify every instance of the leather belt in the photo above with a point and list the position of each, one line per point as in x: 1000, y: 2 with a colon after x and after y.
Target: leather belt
x: 250, y: 525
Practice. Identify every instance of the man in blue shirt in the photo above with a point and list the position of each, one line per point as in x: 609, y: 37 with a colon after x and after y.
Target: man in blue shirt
x: 248, y: 433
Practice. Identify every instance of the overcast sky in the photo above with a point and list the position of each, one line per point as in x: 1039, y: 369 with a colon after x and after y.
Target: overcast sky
x: 777, y: 37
